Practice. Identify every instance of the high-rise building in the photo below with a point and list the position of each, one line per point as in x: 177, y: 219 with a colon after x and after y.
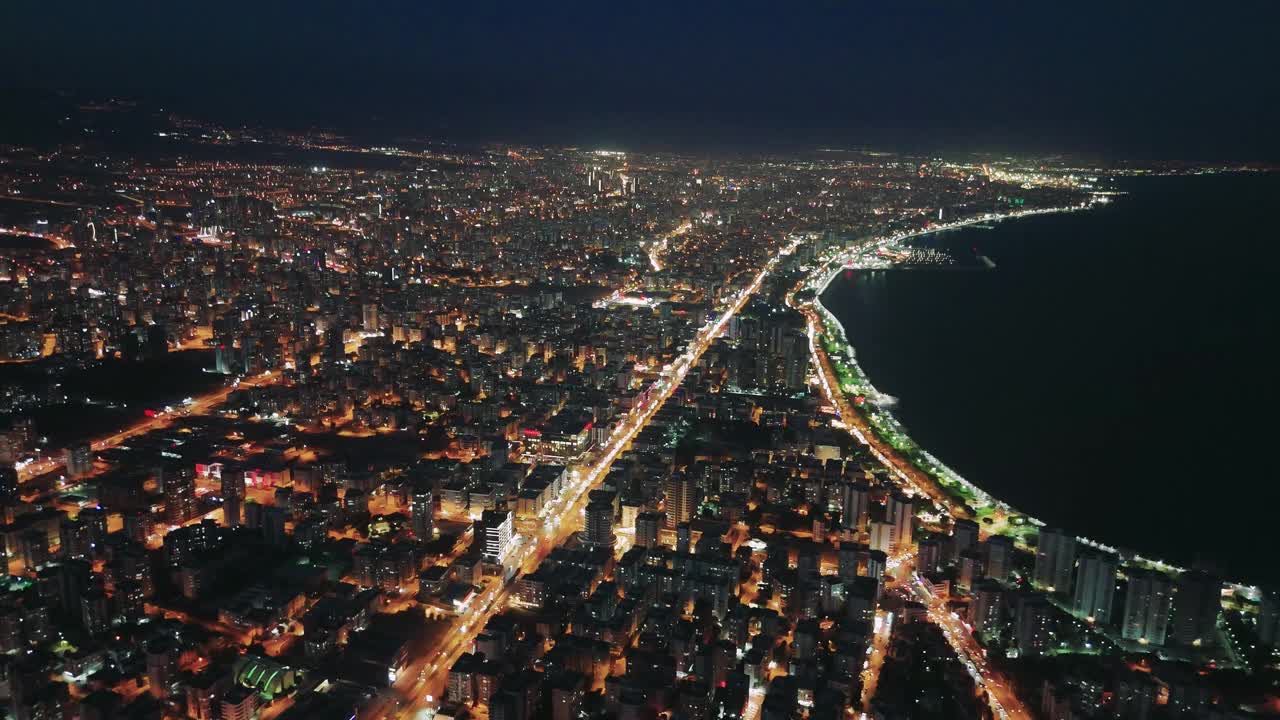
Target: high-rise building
x: 647, y: 526
x: 178, y: 483
x: 35, y: 547
x: 495, y: 533
x: 1269, y: 619
x: 599, y: 524
x: 8, y: 479
x: 162, y: 666
x: 233, y: 493
x: 1197, y: 600
x: 684, y: 538
x: 95, y: 612
x: 184, y: 544
x: 929, y: 554
x: 851, y: 559
x: 877, y: 564
x: 1033, y: 624
x: 1095, y: 586
x: 968, y: 568
x: 999, y: 557
x: 74, y: 539
x: 96, y: 520
x: 964, y: 535
x: 881, y: 535
x: 132, y: 563
x: 855, y: 503
x: 129, y: 599
x: 138, y: 526
x: 423, y: 509
x: 79, y: 460
x: 17, y: 441
x: 793, y: 360
x: 682, y: 498
x: 630, y: 507
x: 274, y: 518
x: 986, y: 612
x: 253, y: 512
x: 1147, y: 604
x: 901, y: 512
x: 1055, y: 558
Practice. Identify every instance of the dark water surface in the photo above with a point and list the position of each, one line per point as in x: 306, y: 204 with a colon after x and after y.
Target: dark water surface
x: 1117, y: 372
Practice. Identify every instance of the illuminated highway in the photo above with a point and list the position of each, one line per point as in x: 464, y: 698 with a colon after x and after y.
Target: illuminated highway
x: 564, y: 514
x: 856, y: 426
x: 881, y: 630
x: 659, y: 247
x: 1005, y: 705
x: 59, y: 242
x: 201, y: 405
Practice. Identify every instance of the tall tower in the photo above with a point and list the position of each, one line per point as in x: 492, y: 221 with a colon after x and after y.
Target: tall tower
x: 423, y: 511
x: 1269, y: 619
x: 274, y: 518
x: 902, y: 510
x: 855, y: 503
x: 964, y: 535
x: 849, y: 556
x: 232, y: 496
x: 928, y: 554
x: 1095, y: 587
x: 495, y: 526
x: 8, y: 479
x: 681, y: 499
x: 999, y: 557
x: 1033, y: 624
x: 1146, y: 607
x: 647, y: 526
x: 1196, y: 603
x: 599, y: 524
x: 986, y: 612
x: 162, y: 666
x: 179, y: 486
x: 1055, y: 557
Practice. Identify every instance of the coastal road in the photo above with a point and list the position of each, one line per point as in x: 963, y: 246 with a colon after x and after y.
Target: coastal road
x: 857, y: 426
x: 1004, y: 704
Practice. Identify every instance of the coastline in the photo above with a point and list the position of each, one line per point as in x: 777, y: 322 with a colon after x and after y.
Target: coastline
x: 869, y: 412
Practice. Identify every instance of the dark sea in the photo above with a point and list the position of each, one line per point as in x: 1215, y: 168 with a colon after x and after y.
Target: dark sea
x: 1116, y: 373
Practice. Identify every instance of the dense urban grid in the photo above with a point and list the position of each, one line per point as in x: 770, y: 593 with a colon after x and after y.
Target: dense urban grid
x: 305, y: 427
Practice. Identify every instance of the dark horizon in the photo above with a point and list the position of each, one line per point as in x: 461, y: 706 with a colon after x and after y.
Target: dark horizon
x: 1175, y: 83
x: 348, y: 369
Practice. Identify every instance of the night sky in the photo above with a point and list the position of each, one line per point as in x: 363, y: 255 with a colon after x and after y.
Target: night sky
x: 1178, y: 80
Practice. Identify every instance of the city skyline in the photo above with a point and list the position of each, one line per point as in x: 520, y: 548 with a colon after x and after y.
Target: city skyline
x: 1179, y: 82
x: 510, y: 362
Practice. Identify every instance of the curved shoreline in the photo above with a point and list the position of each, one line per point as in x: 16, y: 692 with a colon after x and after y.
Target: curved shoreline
x: 881, y: 421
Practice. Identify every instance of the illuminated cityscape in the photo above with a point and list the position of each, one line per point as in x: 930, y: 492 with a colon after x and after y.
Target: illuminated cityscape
x: 314, y: 423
